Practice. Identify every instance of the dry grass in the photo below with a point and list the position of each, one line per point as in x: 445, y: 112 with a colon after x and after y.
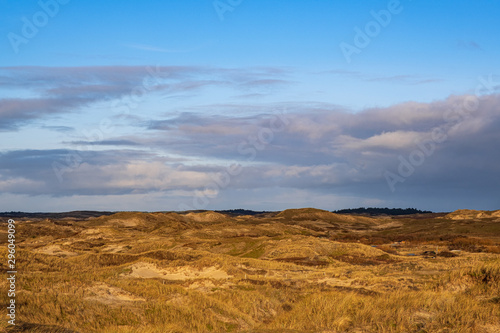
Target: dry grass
x: 298, y: 271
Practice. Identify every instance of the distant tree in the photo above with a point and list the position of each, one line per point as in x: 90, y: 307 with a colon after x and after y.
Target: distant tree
x: 240, y: 211
x: 373, y: 211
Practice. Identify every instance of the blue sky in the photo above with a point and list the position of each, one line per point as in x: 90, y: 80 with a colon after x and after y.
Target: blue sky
x: 145, y: 105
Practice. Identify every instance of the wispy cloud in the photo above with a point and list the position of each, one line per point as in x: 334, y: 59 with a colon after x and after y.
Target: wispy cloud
x: 145, y: 47
x: 469, y: 45
x: 409, y: 79
x: 404, y: 79
x: 104, y: 143
x: 68, y: 89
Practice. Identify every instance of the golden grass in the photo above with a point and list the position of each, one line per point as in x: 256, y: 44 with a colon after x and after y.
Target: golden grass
x: 281, y: 277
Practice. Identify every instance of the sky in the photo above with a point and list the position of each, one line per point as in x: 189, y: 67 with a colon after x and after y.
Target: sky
x: 264, y: 105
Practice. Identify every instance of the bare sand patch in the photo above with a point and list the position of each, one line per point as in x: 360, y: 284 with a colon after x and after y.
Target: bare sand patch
x: 114, y: 248
x: 149, y: 271
x: 336, y: 282
x: 101, y: 292
x: 491, y: 328
x: 55, y: 250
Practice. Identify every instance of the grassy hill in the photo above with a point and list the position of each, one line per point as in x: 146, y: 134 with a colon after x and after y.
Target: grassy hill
x: 300, y: 270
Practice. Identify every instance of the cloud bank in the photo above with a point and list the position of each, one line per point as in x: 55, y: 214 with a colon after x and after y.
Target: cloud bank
x: 207, y: 154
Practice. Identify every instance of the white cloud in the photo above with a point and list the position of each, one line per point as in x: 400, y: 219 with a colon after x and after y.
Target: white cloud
x: 390, y: 140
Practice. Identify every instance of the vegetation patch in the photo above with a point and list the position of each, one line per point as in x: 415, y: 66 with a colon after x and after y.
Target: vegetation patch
x: 295, y: 271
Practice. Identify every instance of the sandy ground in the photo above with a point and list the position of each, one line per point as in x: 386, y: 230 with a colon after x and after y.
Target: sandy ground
x: 114, y: 248
x: 101, y: 292
x: 148, y: 271
x: 55, y: 250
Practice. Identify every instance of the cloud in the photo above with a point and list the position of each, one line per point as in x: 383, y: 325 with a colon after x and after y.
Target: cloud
x: 388, y: 140
x: 469, y: 45
x: 307, y: 135
x: 63, y: 129
x: 405, y: 79
x: 49, y: 91
x: 311, y: 148
x: 104, y: 143
x: 153, y: 48
x: 16, y: 111
x: 34, y: 172
x: 408, y: 79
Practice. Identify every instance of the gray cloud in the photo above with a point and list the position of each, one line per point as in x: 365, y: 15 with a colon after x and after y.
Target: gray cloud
x: 108, y: 172
x: 322, y: 151
x: 308, y: 147
x: 62, y: 129
x: 67, y: 89
x: 16, y: 111
x: 104, y: 143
